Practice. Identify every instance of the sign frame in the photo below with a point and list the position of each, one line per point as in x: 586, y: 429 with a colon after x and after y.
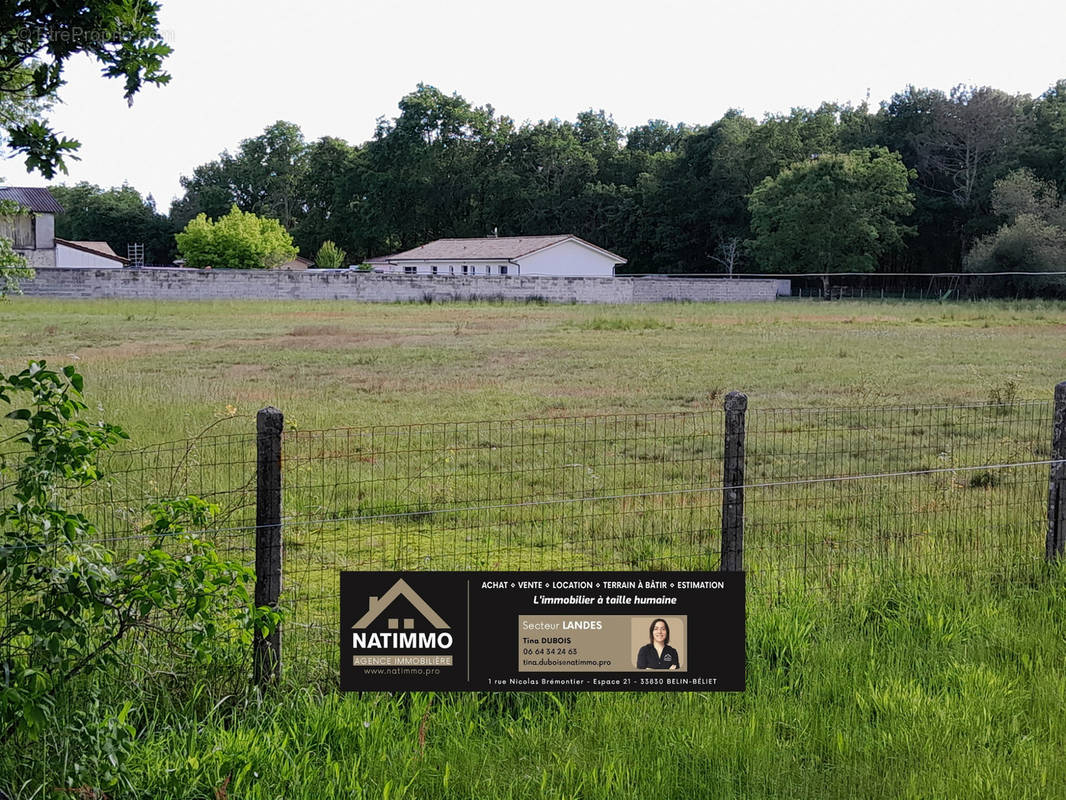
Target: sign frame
x: 542, y: 631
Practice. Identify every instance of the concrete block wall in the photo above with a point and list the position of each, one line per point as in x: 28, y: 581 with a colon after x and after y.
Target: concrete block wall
x: 44, y: 257
x: 222, y: 284
x: 701, y: 290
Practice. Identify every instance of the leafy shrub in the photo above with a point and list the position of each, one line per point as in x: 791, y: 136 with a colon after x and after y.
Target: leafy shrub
x: 71, y: 603
x: 238, y: 240
x: 1033, y: 239
x: 330, y: 256
x: 1003, y: 395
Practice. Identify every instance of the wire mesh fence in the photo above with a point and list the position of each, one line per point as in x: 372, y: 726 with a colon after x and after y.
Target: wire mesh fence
x: 842, y: 495
x: 529, y: 494
x: 833, y: 498
x: 602, y: 492
x: 220, y: 469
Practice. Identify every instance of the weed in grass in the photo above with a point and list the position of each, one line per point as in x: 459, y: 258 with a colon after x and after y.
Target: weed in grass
x: 1002, y: 396
x: 623, y: 324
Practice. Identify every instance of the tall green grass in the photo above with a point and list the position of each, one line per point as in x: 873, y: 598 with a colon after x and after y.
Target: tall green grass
x: 903, y: 638
x: 934, y: 688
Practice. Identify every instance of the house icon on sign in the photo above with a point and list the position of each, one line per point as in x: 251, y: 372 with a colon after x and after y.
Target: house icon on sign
x: 400, y: 588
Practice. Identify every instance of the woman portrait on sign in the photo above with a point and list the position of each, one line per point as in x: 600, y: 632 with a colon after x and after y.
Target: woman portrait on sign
x: 657, y: 653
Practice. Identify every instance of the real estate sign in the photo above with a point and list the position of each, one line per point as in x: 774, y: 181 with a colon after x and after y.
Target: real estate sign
x: 549, y: 631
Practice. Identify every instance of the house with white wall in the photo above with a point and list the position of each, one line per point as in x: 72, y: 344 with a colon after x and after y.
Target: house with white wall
x: 87, y: 254
x: 32, y: 231
x: 562, y: 256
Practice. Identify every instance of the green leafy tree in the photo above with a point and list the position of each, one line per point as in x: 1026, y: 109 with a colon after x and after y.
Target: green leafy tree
x: 264, y: 177
x: 909, y: 125
x: 656, y: 136
x: 330, y: 256
x: 834, y: 213
x: 599, y: 135
x: 239, y: 240
x: 19, y: 106
x: 784, y: 139
x: 1044, y: 147
x: 207, y: 192
x: 118, y: 216
x: 38, y: 37
x: 1033, y: 238
x: 703, y: 198
x: 432, y: 169
x: 71, y: 604
x: 335, y: 199
x: 553, y: 169
x: 670, y: 199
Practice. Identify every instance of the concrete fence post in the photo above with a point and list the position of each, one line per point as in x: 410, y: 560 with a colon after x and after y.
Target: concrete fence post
x: 1056, y: 492
x: 736, y: 406
x: 269, y: 423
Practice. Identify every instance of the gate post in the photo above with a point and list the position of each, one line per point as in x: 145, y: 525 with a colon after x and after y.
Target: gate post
x: 269, y: 424
x: 736, y: 406
x: 1056, y: 490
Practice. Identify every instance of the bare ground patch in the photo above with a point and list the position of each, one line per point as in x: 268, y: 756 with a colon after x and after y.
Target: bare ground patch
x: 318, y: 330
x: 136, y: 349
x: 330, y: 338
x: 245, y: 371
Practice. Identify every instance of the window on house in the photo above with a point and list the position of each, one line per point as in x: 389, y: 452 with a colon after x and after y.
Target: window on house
x: 433, y: 269
x: 410, y: 270
x: 451, y: 269
x: 503, y: 270
x: 19, y: 228
x: 466, y: 269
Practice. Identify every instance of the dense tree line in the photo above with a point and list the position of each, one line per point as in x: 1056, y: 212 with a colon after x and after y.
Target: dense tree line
x: 669, y: 197
x: 118, y: 216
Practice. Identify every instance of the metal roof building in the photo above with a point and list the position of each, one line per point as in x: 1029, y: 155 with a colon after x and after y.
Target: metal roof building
x: 34, y: 199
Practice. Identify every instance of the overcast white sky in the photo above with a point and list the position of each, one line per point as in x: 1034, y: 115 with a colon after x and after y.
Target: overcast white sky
x: 333, y: 68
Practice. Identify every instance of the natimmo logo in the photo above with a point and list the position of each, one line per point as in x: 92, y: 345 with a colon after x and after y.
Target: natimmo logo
x: 411, y: 623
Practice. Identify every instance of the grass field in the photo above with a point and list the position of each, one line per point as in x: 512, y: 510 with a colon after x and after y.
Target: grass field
x: 951, y: 684
x: 167, y: 370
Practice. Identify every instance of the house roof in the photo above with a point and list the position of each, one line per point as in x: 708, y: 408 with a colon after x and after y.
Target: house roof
x: 96, y: 248
x: 486, y: 249
x: 32, y: 198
